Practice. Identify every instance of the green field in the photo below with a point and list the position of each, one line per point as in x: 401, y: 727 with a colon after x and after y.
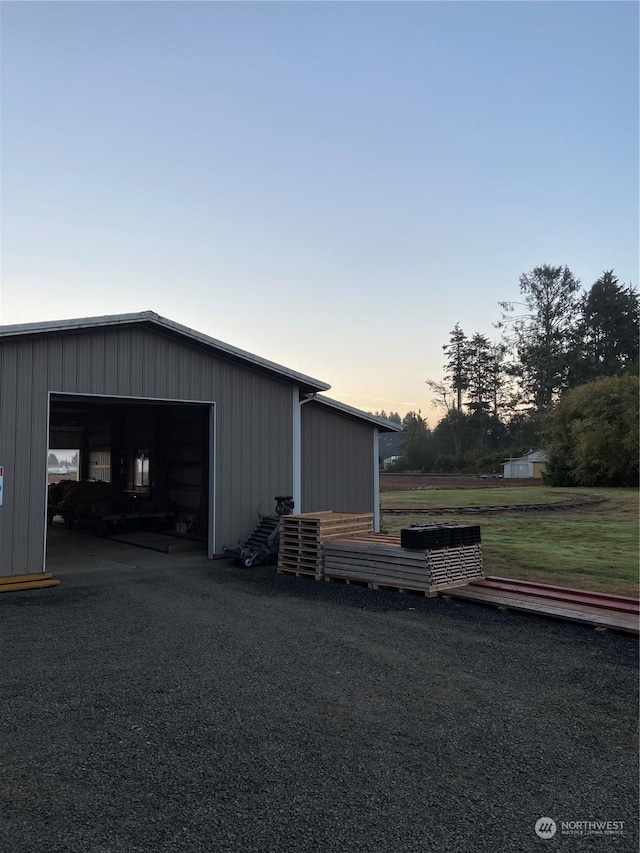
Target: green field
x: 592, y: 547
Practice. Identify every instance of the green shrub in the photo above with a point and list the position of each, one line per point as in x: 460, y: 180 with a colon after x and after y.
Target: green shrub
x: 592, y: 434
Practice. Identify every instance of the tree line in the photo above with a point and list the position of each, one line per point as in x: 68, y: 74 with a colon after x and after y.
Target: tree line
x: 498, y: 397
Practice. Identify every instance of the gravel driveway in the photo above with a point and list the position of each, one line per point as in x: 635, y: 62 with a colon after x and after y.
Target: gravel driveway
x: 172, y: 704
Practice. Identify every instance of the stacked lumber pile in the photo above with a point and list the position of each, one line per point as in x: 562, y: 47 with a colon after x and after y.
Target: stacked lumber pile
x: 13, y: 583
x: 382, y: 561
x: 303, y: 537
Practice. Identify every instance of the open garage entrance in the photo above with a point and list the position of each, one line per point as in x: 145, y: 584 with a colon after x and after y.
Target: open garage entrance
x: 144, y: 472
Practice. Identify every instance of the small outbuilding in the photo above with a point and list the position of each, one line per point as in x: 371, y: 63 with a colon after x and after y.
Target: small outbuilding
x: 183, y: 426
x: 532, y: 464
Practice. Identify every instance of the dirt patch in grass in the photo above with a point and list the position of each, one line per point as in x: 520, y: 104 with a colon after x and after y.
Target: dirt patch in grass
x: 425, y: 499
x: 391, y: 482
x: 592, y: 547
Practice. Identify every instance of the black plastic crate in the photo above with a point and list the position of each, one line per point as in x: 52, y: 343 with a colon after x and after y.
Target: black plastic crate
x: 431, y: 537
x: 464, y: 534
x: 425, y: 538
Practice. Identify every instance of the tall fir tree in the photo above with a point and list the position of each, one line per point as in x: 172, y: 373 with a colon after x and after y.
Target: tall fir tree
x: 607, y: 336
x: 543, y: 334
x: 456, y: 368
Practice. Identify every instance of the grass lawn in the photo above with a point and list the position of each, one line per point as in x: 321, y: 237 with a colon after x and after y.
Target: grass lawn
x: 592, y: 547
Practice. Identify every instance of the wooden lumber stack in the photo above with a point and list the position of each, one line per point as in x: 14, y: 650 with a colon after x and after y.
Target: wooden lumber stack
x: 12, y: 583
x: 382, y: 561
x: 454, y: 566
x: 302, y: 538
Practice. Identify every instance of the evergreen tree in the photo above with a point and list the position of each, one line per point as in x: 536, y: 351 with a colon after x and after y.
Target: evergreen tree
x: 479, y: 373
x: 607, y: 335
x: 498, y: 384
x: 479, y: 385
x: 543, y: 335
x: 456, y: 369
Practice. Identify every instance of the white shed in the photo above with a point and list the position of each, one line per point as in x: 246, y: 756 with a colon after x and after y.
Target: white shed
x: 531, y: 464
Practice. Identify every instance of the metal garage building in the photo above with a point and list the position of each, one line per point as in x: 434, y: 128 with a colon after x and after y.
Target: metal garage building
x: 212, y: 430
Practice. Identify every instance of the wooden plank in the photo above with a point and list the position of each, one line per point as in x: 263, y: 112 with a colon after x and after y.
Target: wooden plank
x: 380, y: 580
x: 338, y: 549
x: 298, y: 560
x: 381, y: 537
x: 375, y: 575
x: 373, y: 556
x: 561, y: 589
x: 301, y: 549
x: 6, y: 587
x: 389, y: 583
x: 453, y: 584
x: 584, y: 614
x: 366, y: 547
x: 377, y: 566
x: 300, y: 573
x: 376, y: 571
x: 302, y: 559
x: 385, y: 580
x: 11, y: 579
x: 328, y: 515
x: 318, y: 535
x: 382, y: 560
x: 595, y: 599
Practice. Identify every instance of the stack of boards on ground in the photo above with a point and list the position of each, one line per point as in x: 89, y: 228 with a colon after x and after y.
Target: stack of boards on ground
x: 302, y: 538
x: 382, y: 561
x: 342, y: 545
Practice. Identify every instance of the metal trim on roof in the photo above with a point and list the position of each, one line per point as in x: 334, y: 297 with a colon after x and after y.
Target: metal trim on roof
x: 166, y: 325
x: 382, y: 423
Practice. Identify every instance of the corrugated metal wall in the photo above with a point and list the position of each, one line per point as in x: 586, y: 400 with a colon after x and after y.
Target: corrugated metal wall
x: 253, y: 423
x: 337, y: 461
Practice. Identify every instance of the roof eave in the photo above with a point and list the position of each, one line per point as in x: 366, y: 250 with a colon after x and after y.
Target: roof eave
x: 150, y: 318
x: 382, y: 423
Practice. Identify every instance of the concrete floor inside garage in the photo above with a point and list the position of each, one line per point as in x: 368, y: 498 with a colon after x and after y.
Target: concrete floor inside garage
x: 80, y: 551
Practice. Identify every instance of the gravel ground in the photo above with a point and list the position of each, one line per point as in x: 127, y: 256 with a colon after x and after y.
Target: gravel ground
x: 170, y: 704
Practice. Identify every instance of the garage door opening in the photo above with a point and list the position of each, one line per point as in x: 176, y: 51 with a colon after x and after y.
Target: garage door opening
x: 139, y: 471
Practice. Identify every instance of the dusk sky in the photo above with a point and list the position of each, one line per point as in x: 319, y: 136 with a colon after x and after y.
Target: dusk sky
x: 329, y: 185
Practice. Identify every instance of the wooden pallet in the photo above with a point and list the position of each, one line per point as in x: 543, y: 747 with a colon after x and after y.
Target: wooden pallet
x: 302, y: 574
x: 302, y: 537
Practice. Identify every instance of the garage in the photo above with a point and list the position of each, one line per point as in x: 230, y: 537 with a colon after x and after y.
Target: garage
x: 142, y: 466
x: 185, y: 433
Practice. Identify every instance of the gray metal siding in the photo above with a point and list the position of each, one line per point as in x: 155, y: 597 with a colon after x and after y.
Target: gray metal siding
x: 337, y: 462
x: 253, y: 423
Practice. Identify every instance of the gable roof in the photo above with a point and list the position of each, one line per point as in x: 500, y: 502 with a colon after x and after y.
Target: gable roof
x: 531, y: 456
x: 160, y: 324
x: 382, y: 423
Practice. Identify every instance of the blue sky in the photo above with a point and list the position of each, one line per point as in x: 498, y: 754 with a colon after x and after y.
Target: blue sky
x: 331, y: 185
